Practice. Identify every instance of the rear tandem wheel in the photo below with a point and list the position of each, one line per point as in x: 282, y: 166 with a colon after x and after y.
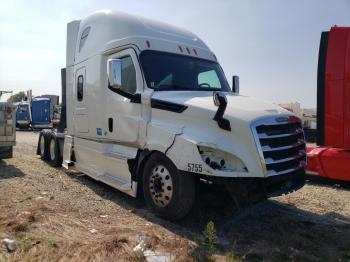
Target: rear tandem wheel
x: 54, y: 151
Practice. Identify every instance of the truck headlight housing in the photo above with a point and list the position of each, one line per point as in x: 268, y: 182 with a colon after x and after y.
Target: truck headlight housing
x: 221, y: 160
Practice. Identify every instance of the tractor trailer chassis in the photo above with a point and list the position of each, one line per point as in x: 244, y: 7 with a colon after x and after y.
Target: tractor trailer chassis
x: 173, y: 121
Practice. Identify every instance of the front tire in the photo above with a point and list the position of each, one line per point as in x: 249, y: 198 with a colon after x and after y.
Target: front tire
x: 169, y: 193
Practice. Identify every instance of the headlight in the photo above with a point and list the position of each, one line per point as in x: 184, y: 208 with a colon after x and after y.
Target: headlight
x: 221, y: 160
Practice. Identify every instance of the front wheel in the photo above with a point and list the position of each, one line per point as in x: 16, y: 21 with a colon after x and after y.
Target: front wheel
x: 169, y: 193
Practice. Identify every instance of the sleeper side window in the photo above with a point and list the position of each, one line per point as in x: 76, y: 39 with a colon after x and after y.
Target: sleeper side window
x: 128, y: 75
x: 80, y: 88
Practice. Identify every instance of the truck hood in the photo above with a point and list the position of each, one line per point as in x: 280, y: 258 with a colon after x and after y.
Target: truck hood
x: 196, y: 125
x: 238, y: 107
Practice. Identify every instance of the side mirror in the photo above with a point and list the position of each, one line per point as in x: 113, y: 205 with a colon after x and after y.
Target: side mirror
x: 115, y: 73
x: 235, y: 84
x: 219, y: 99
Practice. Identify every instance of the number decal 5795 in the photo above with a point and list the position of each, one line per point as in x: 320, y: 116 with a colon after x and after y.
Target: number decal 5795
x: 196, y: 168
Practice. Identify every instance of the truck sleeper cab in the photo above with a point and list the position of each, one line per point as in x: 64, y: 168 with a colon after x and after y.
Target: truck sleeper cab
x: 41, y: 113
x: 23, y: 115
x: 147, y: 109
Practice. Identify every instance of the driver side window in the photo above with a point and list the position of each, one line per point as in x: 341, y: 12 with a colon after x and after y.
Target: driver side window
x: 209, y: 79
x: 128, y: 75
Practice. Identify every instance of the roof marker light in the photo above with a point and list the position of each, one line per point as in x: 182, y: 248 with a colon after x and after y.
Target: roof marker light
x: 195, y: 51
x: 188, y: 50
x: 148, y: 44
x: 180, y: 49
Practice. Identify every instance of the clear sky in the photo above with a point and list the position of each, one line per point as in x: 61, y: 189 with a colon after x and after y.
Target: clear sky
x: 272, y: 44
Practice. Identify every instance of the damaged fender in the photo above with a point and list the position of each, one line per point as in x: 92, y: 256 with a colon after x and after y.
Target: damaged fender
x: 161, y: 137
x: 184, y: 153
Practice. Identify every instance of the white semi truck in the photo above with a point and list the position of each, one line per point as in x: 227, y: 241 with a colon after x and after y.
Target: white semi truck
x: 7, y: 129
x: 147, y: 110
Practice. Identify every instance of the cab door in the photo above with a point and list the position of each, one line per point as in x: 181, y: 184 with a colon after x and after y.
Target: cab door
x: 123, y: 106
x: 80, y: 114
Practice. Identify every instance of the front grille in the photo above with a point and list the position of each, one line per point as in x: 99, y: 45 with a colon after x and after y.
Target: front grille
x: 282, y: 145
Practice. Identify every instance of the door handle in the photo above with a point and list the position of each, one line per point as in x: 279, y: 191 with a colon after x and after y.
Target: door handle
x: 110, y: 124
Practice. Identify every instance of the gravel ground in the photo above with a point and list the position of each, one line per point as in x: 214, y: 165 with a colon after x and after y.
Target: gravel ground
x: 62, y: 216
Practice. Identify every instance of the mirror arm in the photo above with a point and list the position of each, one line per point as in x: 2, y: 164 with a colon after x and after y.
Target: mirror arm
x: 221, y: 101
x: 134, y: 98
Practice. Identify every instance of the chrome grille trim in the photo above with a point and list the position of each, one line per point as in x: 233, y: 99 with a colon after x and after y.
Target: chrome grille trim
x: 284, y: 149
x: 269, y: 149
x: 298, y: 132
x: 271, y: 161
x: 274, y: 173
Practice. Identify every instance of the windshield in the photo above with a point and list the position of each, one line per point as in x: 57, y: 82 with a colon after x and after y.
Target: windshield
x: 165, y: 71
x: 23, y: 108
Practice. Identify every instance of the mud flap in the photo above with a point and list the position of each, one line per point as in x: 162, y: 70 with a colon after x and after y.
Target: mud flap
x: 67, y: 152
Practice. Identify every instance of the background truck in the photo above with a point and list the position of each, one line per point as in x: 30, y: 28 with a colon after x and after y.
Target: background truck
x: 41, y: 113
x: 146, y: 109
x: 331, y: 158
x: 23, y: 115
x: 7, y: 129
x: 37, y: 112
x: 54, y: 102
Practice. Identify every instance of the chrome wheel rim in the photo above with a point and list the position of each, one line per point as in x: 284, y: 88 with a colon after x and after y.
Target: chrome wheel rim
x: 52, y: 149
x: 42, y: 145
x: 161, y: 186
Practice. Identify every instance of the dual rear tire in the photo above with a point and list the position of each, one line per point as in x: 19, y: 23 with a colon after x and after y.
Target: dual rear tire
x: 49, y: 148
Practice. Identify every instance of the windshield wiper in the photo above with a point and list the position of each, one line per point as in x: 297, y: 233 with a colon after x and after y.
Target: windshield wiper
x: 208, y: 89
x: 171, y: 87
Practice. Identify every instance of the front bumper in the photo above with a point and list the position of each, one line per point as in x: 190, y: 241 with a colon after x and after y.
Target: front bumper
x: 284, y: 184
x: 264, y: 187
x: 23, y: 122
x: 42, y: 126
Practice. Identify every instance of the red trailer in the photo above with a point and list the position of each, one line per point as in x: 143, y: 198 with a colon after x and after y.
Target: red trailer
x: 331, y: 158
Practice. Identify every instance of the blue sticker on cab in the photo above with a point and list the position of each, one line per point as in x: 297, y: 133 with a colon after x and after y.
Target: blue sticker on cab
x: 99, y: 131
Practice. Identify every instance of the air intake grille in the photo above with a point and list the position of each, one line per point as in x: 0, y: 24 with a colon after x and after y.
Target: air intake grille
x: 282, y: 144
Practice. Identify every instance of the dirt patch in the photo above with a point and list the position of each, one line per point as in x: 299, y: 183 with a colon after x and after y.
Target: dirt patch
x: 59, y: 216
